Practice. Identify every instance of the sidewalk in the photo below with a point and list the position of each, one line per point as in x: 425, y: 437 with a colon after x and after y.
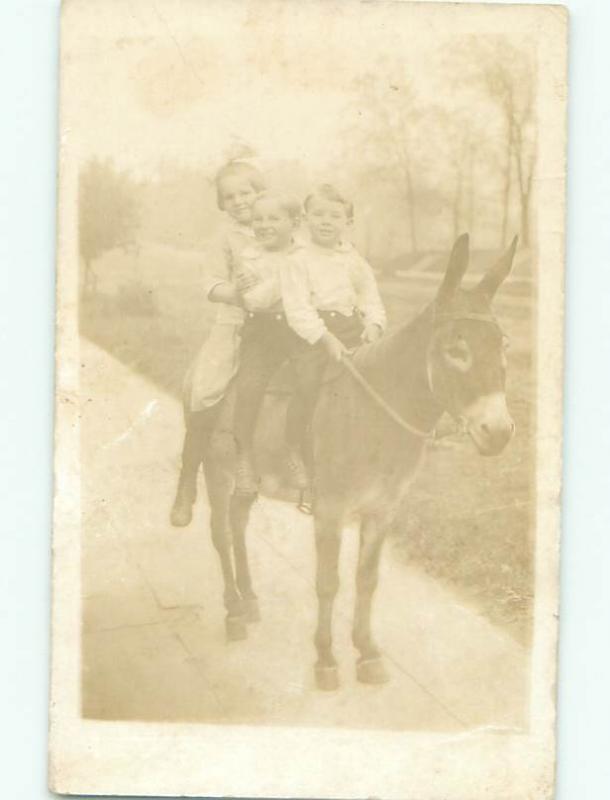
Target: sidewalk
x: 153, y: 635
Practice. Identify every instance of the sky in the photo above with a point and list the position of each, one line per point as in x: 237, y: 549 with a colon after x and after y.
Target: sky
x: 185, y: 80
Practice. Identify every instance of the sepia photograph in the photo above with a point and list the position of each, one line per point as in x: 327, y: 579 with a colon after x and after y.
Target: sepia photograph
x: 308, y: 421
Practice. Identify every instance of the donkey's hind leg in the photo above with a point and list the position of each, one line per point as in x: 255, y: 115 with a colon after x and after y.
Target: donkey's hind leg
x: 370, y: 667
x: 239, y: 515
x: 219, y: 496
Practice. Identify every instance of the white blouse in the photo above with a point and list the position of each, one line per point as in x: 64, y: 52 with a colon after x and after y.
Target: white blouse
x: 223, y: 258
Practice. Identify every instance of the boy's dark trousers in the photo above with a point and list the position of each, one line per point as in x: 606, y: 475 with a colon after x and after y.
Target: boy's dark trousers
x: 309, y: 363
x: 268, y: 341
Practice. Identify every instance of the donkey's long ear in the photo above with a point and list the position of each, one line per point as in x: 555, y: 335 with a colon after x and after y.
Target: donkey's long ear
x: 499, y: 272
x: 457, y: 266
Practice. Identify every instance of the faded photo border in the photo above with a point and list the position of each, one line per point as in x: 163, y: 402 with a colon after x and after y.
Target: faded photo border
x: 95, y: 757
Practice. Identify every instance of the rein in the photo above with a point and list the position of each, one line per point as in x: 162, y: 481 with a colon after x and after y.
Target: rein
x: 383, y: 404
x: 374, y: 395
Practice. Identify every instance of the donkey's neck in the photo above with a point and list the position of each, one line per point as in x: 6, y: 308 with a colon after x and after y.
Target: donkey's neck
x: 398, y: 368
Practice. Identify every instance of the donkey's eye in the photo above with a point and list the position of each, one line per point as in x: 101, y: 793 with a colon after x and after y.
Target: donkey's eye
x: 458, y: 348
x: 458, y: 355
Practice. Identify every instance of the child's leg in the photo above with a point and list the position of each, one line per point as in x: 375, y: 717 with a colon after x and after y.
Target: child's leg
x: 253, y: 377
x: 258, y: 363
x: 263, y: 350
x: 308, y: 368
x: 199, y: 425
x: 308, y: 364
x: 196, y: 433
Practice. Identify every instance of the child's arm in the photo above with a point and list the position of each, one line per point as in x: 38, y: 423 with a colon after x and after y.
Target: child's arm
x: 369, y: 299
x: 261, y: 290
x: 225, y: 292
x: 233, y: 293
x: 220, y: 285
x: 301, y: 315
x: 217, y: 284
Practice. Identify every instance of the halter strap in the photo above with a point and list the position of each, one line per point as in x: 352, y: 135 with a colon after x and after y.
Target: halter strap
x: 457, y: 316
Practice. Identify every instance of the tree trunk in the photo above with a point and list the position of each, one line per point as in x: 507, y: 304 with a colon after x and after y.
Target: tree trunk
x: 457, y: 202
x: 86, y: 277
x: 411, y: 209
x: 525, y: 196
x: 525, y: 187
x: 525, y: 218
x: 507, y: 182
x: 470, y: 194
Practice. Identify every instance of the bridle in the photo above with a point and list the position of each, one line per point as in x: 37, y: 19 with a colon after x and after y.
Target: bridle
x: 458, y: 316
x: 305, y: 505
x: 439, y: 319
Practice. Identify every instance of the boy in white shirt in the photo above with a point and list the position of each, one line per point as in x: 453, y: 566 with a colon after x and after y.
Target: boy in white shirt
x: 331, y: 301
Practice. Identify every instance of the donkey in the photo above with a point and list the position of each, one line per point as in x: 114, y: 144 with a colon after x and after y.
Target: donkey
x: 369, y: 436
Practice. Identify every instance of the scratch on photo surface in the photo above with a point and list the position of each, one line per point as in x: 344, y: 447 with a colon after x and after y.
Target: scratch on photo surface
x: 146, y: 413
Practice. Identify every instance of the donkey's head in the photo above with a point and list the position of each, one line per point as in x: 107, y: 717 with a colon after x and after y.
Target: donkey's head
x: 466, y: 356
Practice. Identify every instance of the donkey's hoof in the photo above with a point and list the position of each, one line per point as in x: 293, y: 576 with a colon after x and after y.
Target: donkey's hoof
x: 372, y: 671
x: 252, y: 611
x: 236, y: 629
x: 327, y: 678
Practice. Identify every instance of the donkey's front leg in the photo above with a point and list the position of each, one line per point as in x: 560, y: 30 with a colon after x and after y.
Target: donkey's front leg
x: 219, y: 496
x: 370, y: 667
x: 239, y: 515
x: 328, y: 543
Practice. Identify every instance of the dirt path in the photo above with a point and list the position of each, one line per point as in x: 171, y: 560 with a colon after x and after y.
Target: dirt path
x: 154, y: 645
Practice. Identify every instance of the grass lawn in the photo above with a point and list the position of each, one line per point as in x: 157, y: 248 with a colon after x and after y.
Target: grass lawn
x: 468, y: 520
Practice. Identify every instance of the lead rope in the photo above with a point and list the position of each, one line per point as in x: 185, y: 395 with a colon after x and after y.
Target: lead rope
x: 304, y: 503
x: 374, y: 395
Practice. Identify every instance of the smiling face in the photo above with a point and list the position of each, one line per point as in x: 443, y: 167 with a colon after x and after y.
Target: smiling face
x: 327, y: 220
x: 273, y: 226
x: 237, y: 195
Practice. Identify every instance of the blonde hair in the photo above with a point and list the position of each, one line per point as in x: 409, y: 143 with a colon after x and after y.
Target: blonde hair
x: 329, y: 192
x: 286, y: 202
x: 238, y: 169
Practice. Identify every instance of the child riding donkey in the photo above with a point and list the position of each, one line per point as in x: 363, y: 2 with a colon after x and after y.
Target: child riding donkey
x: 330, y: 297
x: 322, y: 300
x: 237, y: 186
x: 279, y: 300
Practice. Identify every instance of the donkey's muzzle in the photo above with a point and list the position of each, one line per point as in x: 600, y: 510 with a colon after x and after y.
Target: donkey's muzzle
x: 489, y: 424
